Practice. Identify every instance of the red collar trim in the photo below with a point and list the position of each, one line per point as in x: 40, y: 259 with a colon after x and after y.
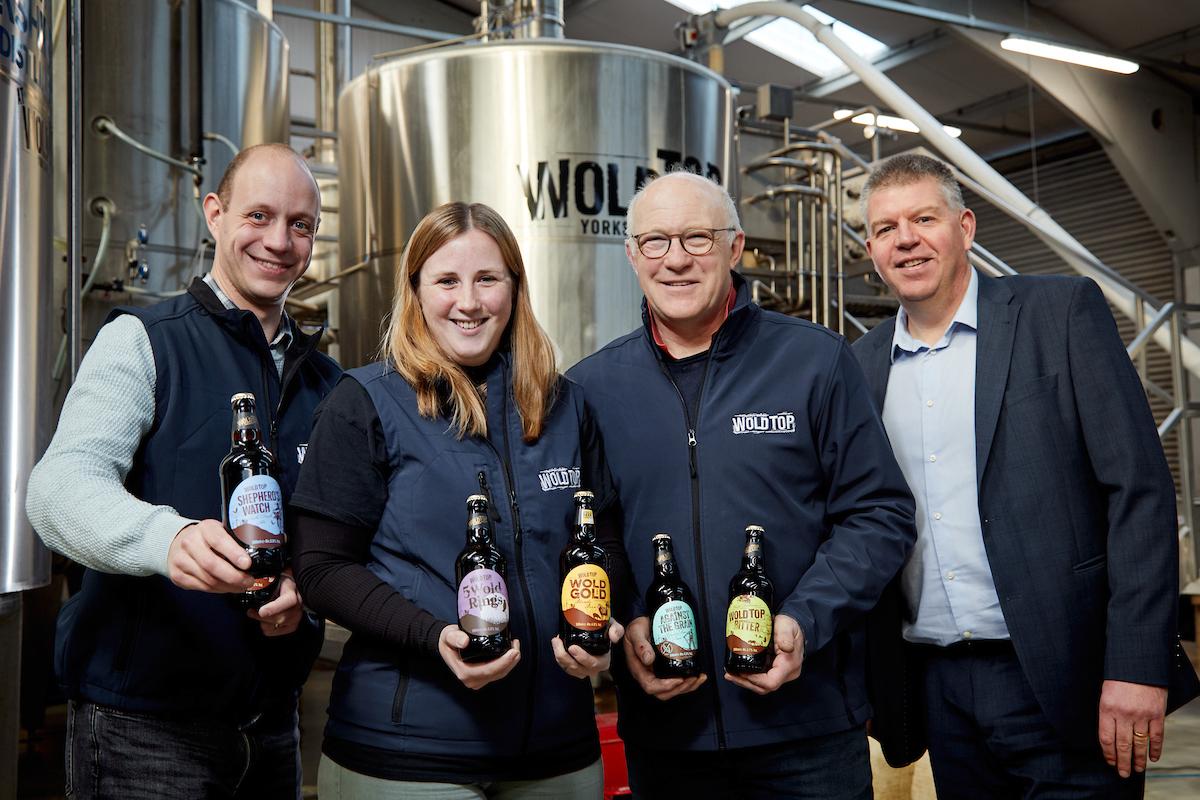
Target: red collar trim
x: 658, y: 340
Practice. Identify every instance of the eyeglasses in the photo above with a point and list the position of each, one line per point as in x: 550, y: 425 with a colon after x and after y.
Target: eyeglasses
x: 696, y: 242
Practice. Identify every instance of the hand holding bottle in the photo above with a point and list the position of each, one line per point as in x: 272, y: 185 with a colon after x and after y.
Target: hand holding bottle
x: 282, y: 615
x: 578, y: 663
x: 204, y: 557
x: 452, y: 641
x: 789, y: 658
x: 639, y: 657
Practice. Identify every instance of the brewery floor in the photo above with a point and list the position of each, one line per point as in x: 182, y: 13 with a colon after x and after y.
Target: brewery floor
x: 1175, y: 777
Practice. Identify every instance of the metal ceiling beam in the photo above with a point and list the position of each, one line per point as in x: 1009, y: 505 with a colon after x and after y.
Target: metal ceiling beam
x: 921, y: 46
x: 975, y: 23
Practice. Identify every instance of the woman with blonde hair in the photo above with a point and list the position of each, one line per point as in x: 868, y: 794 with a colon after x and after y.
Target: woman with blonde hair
x: 465, y: 399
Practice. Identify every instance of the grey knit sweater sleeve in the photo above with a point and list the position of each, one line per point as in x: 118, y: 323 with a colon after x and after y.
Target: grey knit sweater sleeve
x: 77, y: 500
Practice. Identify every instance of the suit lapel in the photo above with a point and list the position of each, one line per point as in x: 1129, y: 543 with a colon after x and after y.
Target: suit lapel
x: 879, y: 362
x: 993, y: 353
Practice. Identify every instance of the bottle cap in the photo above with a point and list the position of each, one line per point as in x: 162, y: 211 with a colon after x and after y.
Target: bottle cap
x: 475, y: 497
x: 242, y: 396
x: 754, y: 529
x: 583, y: 493
x: 660, y: 537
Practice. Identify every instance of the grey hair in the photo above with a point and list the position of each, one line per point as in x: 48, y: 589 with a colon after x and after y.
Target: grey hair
x: 720, y: 195
x: 908, y: 168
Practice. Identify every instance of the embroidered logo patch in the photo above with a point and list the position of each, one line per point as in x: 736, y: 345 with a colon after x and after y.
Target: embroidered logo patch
x: 782, y: 422
x: 559, y: 478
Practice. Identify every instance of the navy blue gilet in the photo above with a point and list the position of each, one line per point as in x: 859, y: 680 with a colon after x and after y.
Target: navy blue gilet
x: 141, y: 643
x: 412, y: 703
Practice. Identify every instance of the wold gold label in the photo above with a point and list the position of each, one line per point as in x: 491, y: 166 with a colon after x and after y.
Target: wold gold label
x: 585, y: 597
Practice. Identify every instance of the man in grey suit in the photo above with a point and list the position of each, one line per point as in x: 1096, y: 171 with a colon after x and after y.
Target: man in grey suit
x: 1038, y: 609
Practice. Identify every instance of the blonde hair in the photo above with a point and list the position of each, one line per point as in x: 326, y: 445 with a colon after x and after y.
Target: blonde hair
x: 441, y: 384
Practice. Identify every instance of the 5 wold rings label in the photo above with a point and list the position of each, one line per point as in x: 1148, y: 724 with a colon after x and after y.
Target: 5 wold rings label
x: 483, y: 603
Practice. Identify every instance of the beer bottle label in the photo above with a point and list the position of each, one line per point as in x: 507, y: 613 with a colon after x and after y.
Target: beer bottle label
x: 483, y: 603
x: 673, y: 630
x: 586, y: 517
x: 748, y: 626
x: 585, y: 601
x: 256, y: 513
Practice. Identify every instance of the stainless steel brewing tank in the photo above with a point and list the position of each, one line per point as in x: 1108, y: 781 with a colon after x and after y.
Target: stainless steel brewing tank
x: 26, y: 268
x: 152, y: 67
x: 553, y: 134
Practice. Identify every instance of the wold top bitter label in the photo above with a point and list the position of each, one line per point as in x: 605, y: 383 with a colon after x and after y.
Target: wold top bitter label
x: 748, y: 625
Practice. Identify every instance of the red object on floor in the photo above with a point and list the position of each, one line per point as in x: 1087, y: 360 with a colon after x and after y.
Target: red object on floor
x: 612, y: 753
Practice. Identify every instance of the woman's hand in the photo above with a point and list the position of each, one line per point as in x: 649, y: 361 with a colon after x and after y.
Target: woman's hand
x: 578, y: 663
x: 451, y: 642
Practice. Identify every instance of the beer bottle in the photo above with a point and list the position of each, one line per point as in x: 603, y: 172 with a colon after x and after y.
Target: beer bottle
x: 482, y: 592
x: 672, y: 614
x: 583, y: 568
x: 253, y: 503
x: 748, y: 638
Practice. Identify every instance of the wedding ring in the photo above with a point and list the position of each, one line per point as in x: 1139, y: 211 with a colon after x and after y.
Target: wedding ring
x: 1140, y: 735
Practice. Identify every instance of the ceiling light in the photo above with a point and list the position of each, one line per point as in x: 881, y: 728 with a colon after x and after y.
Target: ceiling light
x: 794, y: 43
x: 889, y: 122
x: 1070, y: 55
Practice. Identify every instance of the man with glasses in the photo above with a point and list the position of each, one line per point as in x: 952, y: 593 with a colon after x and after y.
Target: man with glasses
x: 715, y: 415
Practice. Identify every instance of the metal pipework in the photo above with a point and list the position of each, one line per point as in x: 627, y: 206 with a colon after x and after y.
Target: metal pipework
x: 523, y: 19
x: 1033, y: 216
x: 106, y: 127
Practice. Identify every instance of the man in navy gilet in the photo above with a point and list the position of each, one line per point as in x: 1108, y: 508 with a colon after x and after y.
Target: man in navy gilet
x: 717, y: 414
x: 174, y: 690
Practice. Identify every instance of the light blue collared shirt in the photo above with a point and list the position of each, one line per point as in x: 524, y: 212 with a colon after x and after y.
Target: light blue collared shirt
x: 929, y: 413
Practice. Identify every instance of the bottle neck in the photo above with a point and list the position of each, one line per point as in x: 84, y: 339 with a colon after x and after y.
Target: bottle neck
x: 479, y: 530
x: 247, y: 435
x: 664, y: 563
x: 585, y: 524
x: 752, y: 557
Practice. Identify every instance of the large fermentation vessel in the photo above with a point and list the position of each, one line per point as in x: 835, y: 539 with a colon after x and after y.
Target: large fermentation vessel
x: 555, y: 134
x: 26, y: 264
x: 190, y: 79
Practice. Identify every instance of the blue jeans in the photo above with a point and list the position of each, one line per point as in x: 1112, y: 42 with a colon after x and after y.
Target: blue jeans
x: 988, y: 737
x: 833, y: 767
x: 120, y: 754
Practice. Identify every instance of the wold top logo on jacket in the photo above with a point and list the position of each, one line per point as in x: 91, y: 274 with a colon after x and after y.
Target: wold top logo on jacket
x: 557, y: 478
x: 781, y: 422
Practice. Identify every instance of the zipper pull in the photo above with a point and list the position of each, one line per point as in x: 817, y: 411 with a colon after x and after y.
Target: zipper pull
x: 512, y: 498
x: 493, y: 512
x: 692, y: 451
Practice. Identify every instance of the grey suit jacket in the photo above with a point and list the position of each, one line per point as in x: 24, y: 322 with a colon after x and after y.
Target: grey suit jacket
x: 1076, y: 501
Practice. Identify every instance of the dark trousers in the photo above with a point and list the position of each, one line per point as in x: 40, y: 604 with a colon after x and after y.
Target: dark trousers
x: 833, y: 767
x: 117, y: 754
x: 988, y: 737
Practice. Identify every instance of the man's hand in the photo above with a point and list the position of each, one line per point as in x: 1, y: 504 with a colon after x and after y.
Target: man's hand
x: 451, y: 642
x: 579, y: 663
x: 282, y: 615
x: 789, y: 658
x: 204, y: 557
x: 639, y: 656
x: 1131, y: 724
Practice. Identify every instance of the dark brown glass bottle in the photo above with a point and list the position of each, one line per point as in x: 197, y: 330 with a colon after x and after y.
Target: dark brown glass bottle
x: 253, y: 503
x: 482, y: 592
x: 586, y: 591
x: 748, y: 631
x: 672, y: 612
